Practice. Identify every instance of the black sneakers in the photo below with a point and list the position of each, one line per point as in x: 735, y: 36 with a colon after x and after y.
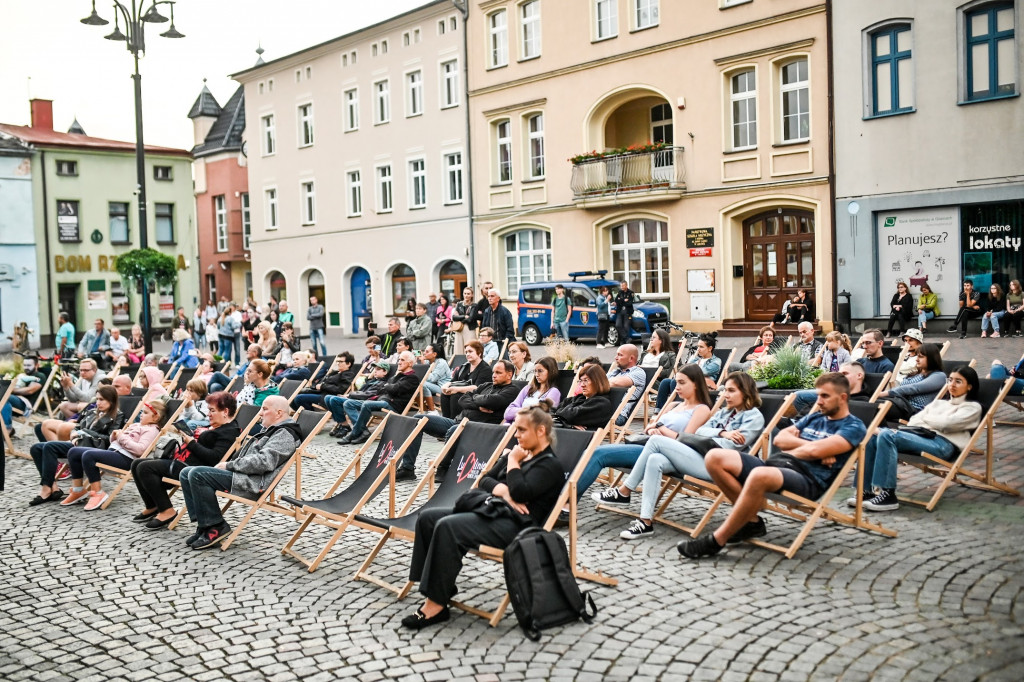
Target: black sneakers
x: 212, y: 536
x: 754, y: 529
x: 610, y: 496
x: 883, y: 501
x: 701, y: 547
x: 638, y: 529
x: 405, y: 475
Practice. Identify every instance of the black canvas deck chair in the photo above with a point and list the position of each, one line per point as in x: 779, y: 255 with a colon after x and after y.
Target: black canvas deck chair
x: 474, y: 447
x: 1012, y: 401
x: 642, y: 408
x: 565, y: 382
x: 390, y: 441
x: 6, y: 391
x: 289, y: 388
x: 129, y: 406
x: 727, y: 356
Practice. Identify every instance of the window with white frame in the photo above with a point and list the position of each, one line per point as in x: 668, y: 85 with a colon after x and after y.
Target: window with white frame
x: 743, y: 109
x: 527, y: 258
x: 269, y: 135
x: 991, y: 51
x: 529, y: 19
x: 352, y: 109
x: 449, y: 83
x: 796, y: 101
x: 645, y: 13
x: 535, y: 137
x: 891, y: 70
x: 453, y: 24
x: 355, y: 193
x: 503, y: 150
x: 414, y: 93
x: 418, y: 183
x: 164, y: 223
x: 374, y: 49
x: 270, y: 197
x: 606, y: 19
x: 441, y: 27
x: 220, y: 221
x: 498, y: 41
x: 382, y: 102
x: 305, y: 125
x: 246, y: 222
x: 308, y: 203
x: 383, y: 47
x: 640, y: 255
x: 117, y: 214
x: 344, y: 59
x: 309, y: 72
x: 453, y: 178
x: 352, y: 57
x: 406, y: 39
x: 384, y: 196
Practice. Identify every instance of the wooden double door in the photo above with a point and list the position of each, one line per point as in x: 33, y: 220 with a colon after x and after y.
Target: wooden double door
x: 778, y: 259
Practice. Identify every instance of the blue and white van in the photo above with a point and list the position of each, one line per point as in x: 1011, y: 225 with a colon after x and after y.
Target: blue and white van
x: 534, y: 321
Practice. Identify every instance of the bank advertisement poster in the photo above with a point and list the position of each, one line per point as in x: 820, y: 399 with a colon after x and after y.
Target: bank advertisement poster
x: 991, y: 235
x: 919, y: 247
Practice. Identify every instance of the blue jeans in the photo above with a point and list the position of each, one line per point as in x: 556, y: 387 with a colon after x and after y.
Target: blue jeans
x: 992, y: 320
x: 199, y: 486
x: 224, y: 347
x: 665, y: 389
x: 663, y: 455
x: 316, y: 336
x: 619, y: 455
x: 308, y: 400
x: 805, y: 401
x: 218, y: 382
x: 1001, y: 373
x: 561, y: 329
x: 335, y: 404
x: 440, y: 427
x: 880, y: 454
x: 431, y: 389
x: 923, y: 317
x: 199, y: 338
x: 360, y: 411
x: 7, y: 410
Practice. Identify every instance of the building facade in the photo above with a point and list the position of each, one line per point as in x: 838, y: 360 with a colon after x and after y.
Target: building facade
x: 929, y: 148
x: 222, y: 197
x: 19, y: 281
x: 85, y: 216
x: 683, y: 147
x: 356, y: 155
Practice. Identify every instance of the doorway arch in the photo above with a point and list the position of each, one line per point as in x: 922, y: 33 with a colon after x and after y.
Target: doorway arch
x: 359, y: 296
x: 778, y: 259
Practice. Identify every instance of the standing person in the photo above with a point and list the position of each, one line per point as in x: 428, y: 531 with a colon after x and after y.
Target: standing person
x: 604, y: 306
x: 498, y: 318
x: 226, y: 333
x: 317, y: 317
x: 181, y: 321
x: 283, y: 314
x: 431, y: 307
x: 65, y: 336
x: 198, y: 327
x: 236, y: 340
x: 442, y: 318
x: 901, y: 309
x: 996, y: 309
x: 624, y: 312
x: 418, y: 329
x: 1014, y: 309
x: 211, y: 311
x: 389, y: 342
x: 464, y: 321
x: 927, y: 306
x: 970, y: 308
x: 410, y: 309
x: 561, y: 312
x: 212, y: 336
x: 483, y: 304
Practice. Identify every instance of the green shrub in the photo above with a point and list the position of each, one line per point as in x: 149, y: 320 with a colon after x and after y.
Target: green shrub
x: 787, y: 370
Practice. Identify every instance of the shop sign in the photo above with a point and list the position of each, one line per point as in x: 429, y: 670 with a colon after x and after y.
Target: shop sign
x: 699, y: 253
x: 918, y: 247
x: 97, y: 294
x: 67, y: 222
x: 991, y: 235
x: 700, y: 237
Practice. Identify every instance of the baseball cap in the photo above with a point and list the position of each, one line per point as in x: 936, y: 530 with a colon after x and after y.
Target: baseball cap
x: 386, y: 366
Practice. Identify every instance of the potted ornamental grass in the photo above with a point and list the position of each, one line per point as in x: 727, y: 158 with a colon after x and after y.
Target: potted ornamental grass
x: 785, y: 370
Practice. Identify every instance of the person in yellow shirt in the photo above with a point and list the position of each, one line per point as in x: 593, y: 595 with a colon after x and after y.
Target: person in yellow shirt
x: 927, y: 306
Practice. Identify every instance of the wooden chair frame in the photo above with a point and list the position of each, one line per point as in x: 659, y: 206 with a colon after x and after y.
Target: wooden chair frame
x: 724, y: 373
x: 8, y: 443
x: 642, y: 405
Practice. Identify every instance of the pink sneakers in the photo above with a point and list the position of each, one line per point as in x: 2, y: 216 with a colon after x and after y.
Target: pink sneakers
x: 96, y: 500
x: 74, y: 497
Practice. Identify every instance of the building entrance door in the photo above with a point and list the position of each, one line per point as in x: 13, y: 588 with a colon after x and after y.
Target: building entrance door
x: 778, y: 259
x: 360, y: 289
x: 67, y: 301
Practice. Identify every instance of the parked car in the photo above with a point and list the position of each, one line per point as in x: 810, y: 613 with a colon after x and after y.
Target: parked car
x: 534, y: 320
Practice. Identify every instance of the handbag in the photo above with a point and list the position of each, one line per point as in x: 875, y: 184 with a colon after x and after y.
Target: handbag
x: 919, y: 431
x: 637, y: 439
x: 471, y: 500
x: 702, y: 444
x: 456, y: 326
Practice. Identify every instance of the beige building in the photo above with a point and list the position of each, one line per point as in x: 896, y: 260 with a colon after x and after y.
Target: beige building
x: 356, y: 151
x: 681, y: 146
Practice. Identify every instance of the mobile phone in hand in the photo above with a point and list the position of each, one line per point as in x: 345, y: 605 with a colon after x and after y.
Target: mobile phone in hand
x: 182, y: 426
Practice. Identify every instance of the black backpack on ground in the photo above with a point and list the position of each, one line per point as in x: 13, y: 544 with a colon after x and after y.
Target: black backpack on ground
x: 540, y: 583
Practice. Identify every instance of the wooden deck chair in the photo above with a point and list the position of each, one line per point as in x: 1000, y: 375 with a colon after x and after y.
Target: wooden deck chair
x: 880, y: 382
x: 565, y: 382
x: 1012, y: 401
x: 727, y: 359
x: 129, y: 406
x: 809, y: 512
x: 393, y: 436
x: 991, y: 394
x: 235, y: 385
x: 642, y: 407
x: 456, y: 362
x: 422, y: 372
x: 619, y: 397
x: 44, y: 394
x: 474, y: 448
x: 247, y: 416
x: 174, y: 410
x: 310, y: 424
x: 901, y: 358
x: 6, y: 391
x: 289, y: 388
x: 181, y: 380
x: 504, y: 349
x: 574, y: 449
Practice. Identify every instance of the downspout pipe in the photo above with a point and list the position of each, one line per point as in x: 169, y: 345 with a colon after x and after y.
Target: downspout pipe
x: 46, y: 245
x: 463, y: 7
x: 829, y: 47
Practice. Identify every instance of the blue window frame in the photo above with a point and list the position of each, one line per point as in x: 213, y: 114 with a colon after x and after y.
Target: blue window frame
x: 991, y: 52
x: 891, y: 71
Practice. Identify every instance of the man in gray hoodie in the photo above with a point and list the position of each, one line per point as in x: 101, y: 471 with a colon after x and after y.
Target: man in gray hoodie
x: 247, y: 474
x: 317, y: 317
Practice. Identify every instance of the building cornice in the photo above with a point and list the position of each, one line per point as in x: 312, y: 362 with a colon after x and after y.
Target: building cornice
x: 754, y: 54
x: 516, y: 107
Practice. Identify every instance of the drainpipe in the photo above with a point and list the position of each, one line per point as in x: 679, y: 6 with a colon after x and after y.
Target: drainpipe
x: 832, y: 156
x: 463, y: 7
x: 46, y: 244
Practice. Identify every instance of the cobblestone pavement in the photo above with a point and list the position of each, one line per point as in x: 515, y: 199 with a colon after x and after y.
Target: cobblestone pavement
x: 91, y: 596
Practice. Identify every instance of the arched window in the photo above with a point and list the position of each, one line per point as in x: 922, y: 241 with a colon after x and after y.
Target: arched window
x: 315, y: 286
x: 640, y: 255
x: 278, y: 285
x: 527, y: 258
x: 453, y: 279
x: 403, y: 286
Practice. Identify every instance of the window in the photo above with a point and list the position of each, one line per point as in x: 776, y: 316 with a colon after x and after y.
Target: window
x: 415, y: 35
x: 261, y: 88
x: 384, y: 197
x: 453, y: 175
x: 220, y: 221
x: 162, y: 173
x: 246, y: 222
x: 118, y: 212
x: 355, y: 194
x: 403, y: 286
x: 270, y: 85
x: 305, y: 125
x: 382, y: 106
x: 418, y: 183
x: 308, y: 203
x: 271, y: 199
x: 743, y: 105
x: 352, y: 57
x: 67, y: 167
x: 405, y: 39
x: 796, y: 108
x: 269, y: 135
x: 498, y: 52
x: 606, y: 18
x: 352, y: 109
x: 503, y: 140
x: 891, y: 71
x: 165, y: 223
x: 440, y: 27
x: 640, y: 256
x: 344, y: 59
x: 646, y: 14
x: 374, y: 49
x: 991, y: 52
x: 527, y: 259
x: 383, y: 47
x: 450, y: 84
x: 298, y: 75
x: 453, y: 24
x: 309, y: 72
x: 530, y: 20
x: 535, y: 135
x: 414, y: 93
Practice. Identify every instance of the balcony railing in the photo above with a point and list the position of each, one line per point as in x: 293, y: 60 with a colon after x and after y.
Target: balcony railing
x: 631, y: 172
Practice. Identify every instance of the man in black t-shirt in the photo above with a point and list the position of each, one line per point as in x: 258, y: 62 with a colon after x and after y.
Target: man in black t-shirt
x: 624, y: 300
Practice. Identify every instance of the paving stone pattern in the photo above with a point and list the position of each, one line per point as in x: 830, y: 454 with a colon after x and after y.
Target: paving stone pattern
x: 92, y: 596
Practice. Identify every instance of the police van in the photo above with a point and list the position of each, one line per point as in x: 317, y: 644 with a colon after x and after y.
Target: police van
x: 535, y: 309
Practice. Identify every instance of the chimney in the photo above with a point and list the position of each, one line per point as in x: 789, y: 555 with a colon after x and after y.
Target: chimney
x: 42, y: 113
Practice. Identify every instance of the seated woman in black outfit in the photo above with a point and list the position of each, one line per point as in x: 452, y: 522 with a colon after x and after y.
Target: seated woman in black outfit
x: 590, y: 408
x: 524, y: 485
x: 901, y: 309
x: 802, y: 308
x: 473, y: 372
x: 207, y: 448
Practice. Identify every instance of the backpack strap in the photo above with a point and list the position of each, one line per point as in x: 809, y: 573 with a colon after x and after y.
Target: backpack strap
x: 566, y: 581
x: 531, y: 558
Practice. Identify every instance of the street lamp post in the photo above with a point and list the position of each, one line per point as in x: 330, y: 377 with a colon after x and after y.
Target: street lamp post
x: 135, y: 40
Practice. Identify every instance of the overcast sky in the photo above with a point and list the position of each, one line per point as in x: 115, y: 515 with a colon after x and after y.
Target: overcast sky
x: 45, y: 52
